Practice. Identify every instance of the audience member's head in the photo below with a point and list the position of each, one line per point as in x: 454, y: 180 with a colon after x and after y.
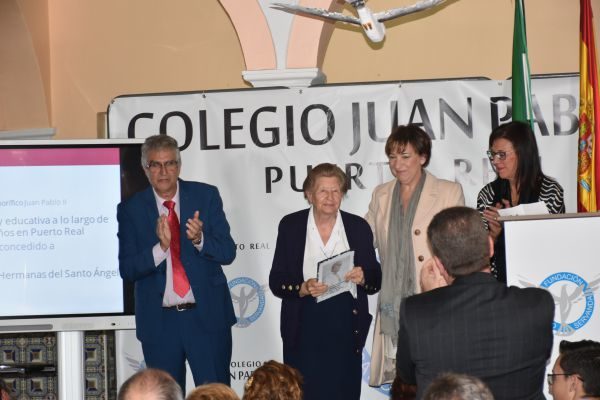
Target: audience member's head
x: 576, y: 372
x: 213, y: 391
x: 274, y: 381
x: 150, y: 384
x: 566, y: 346
x: 5, y: 391
x: 457, y: 387
x: 459, y: 240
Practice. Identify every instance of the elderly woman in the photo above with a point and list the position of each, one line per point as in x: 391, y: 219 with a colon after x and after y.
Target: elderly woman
x: 324, y: 340
x: 399, y: 214
x: 514, y: 155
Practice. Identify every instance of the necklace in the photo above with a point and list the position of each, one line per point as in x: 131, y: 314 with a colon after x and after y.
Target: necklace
x: 332, y: 252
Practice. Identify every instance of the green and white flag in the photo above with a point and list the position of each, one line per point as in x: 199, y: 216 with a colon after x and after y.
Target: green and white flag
x: 521, y: 82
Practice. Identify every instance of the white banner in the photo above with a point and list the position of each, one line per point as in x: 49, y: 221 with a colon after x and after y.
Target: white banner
x: 551, y: 262
x: 255, y: 145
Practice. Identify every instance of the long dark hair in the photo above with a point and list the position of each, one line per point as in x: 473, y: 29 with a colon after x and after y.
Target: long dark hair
x: 529, y: 173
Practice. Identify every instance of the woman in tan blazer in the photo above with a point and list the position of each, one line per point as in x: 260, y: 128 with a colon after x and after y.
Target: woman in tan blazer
x: 399, y: 214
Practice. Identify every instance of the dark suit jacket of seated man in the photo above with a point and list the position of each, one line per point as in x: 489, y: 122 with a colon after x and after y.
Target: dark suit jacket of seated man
x: 475, y: 325
x: 171, y: 327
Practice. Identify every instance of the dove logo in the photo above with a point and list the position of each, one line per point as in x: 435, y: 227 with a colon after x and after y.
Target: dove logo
x: 134, y: 362
x: 248, y: 299
x: 574, y: 299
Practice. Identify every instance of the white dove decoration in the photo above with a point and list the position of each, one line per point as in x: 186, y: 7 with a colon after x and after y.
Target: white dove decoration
x: 372, y: 23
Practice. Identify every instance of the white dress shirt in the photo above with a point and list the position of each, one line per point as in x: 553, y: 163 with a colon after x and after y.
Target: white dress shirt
x: 315, y: 250
x: 170, y: 298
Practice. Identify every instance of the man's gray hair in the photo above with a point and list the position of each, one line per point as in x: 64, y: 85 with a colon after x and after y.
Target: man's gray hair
x: 157, y: 143
x: 451, y: 386
x: 155, y: 383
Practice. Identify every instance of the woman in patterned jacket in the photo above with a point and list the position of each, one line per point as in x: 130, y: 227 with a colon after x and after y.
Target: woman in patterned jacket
x: 514, y: 155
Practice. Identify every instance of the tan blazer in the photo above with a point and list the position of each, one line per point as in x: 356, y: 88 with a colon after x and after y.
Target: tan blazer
x: 437, y: 195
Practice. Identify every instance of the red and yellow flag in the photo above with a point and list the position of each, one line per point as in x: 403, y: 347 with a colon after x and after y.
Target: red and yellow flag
x: 588, y: 166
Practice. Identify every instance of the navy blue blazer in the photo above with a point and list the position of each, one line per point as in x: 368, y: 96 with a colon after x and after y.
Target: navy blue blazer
x: 286, y: 274
x: 137, y: 218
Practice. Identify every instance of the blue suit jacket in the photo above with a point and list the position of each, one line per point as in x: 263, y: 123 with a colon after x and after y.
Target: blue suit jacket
x: 286, y: 275
x: 137, y: 218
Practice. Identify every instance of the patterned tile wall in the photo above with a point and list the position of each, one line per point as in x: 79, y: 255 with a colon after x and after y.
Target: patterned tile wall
x: 39, y: 350
x: 36, y: 349
x: 100, y: 366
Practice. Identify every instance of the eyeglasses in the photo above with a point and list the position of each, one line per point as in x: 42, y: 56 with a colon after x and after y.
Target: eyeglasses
x: 498, y: 155
x: 551, y: 377
x: 156, y: 166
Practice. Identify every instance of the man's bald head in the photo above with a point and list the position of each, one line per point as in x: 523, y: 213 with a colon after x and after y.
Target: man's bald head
x: 150, y: 384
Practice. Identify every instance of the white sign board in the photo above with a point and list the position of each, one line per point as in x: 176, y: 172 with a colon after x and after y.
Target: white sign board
x: 555, y: 253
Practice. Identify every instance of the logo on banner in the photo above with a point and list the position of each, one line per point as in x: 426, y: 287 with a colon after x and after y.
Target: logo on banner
x: 135, y: 363
x: 574, y: 300
x: 241, y: 370
x: 249, y: 300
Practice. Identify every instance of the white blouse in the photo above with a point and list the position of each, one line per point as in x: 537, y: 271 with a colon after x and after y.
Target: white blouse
x: 315, y: 250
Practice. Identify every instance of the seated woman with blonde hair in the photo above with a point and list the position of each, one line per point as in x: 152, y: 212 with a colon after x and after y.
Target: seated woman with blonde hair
x: 274, y: 381
x: 213, y: 391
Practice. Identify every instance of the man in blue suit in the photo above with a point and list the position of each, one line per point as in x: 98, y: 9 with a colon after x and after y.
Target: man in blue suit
x: 183, y: 306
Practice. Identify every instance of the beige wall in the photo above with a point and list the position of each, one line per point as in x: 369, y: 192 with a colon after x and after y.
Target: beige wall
x: 35, y: 16
x: 90, y: 51
x: 464, y: 38
x: 104, y: 48
x: 22, y: 95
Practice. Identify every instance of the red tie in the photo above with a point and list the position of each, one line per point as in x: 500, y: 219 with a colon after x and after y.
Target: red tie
x: 181, y: 285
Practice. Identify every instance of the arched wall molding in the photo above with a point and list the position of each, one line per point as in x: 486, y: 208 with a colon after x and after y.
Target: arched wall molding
x: 280, y: 48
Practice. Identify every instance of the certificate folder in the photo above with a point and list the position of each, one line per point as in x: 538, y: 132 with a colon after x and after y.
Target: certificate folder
x: 332, y: 271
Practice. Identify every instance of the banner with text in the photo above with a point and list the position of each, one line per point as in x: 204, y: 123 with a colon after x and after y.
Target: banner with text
x: 256, y: 146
